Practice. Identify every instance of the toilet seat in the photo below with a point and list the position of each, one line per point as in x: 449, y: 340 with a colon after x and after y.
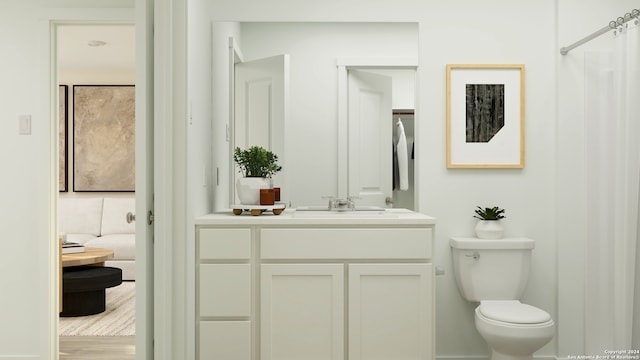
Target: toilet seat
x: 512, y: 311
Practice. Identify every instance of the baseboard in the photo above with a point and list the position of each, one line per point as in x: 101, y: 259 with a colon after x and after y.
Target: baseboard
x: 19, y: 357
x: 462, y: 357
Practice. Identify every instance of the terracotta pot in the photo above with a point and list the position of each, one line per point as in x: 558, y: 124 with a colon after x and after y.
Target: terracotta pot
x: 267, y: 197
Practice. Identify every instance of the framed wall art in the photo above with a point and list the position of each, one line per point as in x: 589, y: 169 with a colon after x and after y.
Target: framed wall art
x: 485, y: 116
x: 103, y: 138
x: 63, y: 118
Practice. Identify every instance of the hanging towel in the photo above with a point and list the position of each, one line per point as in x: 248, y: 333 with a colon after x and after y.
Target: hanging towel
x: 403, y: 159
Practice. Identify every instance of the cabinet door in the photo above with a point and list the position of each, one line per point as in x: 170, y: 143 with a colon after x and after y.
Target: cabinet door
x: 225, y: 290
x: 224, y: 340
x: 302, y: 311
x: 390, y: 311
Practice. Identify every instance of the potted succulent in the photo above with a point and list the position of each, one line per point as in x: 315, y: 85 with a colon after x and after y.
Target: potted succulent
x: 489, y: 226
x: 257, y: 165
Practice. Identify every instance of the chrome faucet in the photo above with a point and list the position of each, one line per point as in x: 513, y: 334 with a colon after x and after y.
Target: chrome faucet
x: 340, y: 204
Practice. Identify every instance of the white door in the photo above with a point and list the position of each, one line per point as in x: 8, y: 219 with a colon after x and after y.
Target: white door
x: 260, y: 105
x: 391, y: 311
x: 369, y: 144
x: 302, y: 312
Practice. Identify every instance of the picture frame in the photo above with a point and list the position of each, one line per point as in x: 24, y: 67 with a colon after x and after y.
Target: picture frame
x: 485, y: 116
x: 104, y: 138
x: 63, y: 120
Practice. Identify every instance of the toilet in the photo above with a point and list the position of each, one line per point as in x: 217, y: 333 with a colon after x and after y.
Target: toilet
x: 494, y: 273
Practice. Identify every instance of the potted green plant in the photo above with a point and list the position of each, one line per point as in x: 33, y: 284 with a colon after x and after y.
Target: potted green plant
x: 489, y: 226
x: 257, y: 165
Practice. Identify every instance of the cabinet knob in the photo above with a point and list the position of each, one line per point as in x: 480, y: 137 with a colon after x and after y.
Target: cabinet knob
x: 130, y: 218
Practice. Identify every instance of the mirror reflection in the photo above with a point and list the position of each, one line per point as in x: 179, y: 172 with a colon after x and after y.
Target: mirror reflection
x: 293, y: 94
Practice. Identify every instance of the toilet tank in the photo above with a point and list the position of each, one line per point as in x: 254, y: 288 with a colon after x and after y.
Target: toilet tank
x: 491, y: 269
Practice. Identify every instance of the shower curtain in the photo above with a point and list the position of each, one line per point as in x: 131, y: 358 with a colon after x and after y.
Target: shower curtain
x: 612, y: 139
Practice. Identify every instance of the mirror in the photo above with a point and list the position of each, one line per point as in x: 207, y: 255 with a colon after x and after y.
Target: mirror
x: 314, y: 130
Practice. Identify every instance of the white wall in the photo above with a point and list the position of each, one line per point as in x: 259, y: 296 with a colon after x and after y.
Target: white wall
x: 496, y: 31
x: 200, y: 177
x: 25, y: 161
x: 552, y: 182
x: 27, y: 304
x: 458, y: 31
x: 493, y: 32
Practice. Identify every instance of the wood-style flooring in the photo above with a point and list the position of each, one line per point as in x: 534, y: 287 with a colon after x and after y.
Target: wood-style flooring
x: 97, y: 347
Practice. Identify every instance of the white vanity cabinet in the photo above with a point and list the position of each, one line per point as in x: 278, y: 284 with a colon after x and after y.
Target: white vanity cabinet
x: 338, y: 289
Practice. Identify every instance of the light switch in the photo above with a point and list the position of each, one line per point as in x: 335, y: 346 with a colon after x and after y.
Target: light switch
x: 24, y: 125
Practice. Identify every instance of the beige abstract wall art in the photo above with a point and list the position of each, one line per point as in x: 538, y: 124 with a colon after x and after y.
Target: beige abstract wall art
x: 104, y: 138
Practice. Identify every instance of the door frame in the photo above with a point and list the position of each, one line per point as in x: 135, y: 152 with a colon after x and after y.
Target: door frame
x: 364, y: 63
x: 235, y: 57
x: 98, y: 16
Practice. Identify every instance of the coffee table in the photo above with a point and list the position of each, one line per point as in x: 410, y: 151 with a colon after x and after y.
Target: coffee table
x: 84, y: 280
x: 90, y: 256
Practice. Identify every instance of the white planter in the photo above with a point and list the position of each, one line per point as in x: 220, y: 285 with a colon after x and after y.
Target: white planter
x: 248, y: 189
x: 489, y: 229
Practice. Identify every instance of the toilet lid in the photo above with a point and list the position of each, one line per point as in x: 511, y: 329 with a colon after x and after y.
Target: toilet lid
x: 513, y: 311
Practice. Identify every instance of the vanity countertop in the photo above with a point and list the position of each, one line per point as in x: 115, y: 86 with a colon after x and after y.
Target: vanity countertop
x: 289, y: 217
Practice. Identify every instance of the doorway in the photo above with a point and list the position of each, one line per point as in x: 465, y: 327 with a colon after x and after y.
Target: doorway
x: 388, y: 86
x: 98, y: 56
x: 260, y: 103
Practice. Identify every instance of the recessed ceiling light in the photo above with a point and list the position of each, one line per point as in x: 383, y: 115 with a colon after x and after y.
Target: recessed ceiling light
x: 96, y: 43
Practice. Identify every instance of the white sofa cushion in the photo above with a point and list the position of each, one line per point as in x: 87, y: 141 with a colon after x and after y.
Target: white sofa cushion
x: 114, y: 216
x: 80, y: 238
x: 123, y: 245
x: 80, y: 215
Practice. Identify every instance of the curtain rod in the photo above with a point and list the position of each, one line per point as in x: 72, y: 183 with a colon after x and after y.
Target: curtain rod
x: 612, y: 25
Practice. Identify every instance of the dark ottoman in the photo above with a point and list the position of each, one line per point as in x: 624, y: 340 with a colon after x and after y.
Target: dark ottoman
x: 83, y: 289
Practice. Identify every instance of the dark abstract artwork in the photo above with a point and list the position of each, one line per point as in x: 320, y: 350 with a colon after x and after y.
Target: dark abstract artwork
x: 62, y: 145
x: 484, y: 111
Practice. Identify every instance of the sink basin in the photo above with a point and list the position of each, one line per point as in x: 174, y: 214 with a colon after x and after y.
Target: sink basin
x: 359, y: 211
x: 345, y: 210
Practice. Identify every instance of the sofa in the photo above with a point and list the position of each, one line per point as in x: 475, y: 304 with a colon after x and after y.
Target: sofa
x: 102, y: 222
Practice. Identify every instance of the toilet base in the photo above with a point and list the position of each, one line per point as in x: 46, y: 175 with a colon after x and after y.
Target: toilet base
x: 513, y: 341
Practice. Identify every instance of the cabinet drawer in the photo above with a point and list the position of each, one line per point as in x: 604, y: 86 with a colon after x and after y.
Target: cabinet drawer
x: 216, y: 244
x: 346, y: 243
x: 225, y: 290
x: 225, y: 340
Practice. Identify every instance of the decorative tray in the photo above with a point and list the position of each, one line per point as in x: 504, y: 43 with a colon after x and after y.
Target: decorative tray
x: 256, y: 210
